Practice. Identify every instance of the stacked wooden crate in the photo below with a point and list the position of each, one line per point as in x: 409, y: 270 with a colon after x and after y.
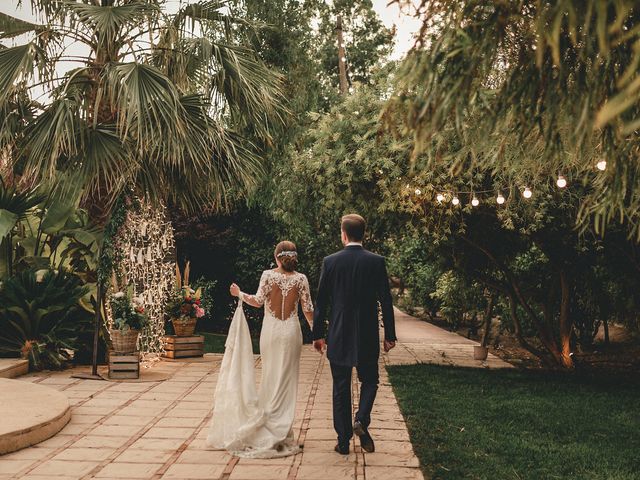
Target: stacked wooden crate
x: 183, y: 347
x: 124, y: 365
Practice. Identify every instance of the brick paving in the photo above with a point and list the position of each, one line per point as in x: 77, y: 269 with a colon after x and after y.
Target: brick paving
x: 157, y: 430
x: 422, y: 342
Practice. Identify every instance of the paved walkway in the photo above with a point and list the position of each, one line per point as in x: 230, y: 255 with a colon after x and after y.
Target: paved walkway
x: 156, y: 430
x: 422, y: 342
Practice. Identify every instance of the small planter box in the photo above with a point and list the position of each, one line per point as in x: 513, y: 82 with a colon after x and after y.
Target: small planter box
x: 183, y: 347
x: 124, y: 366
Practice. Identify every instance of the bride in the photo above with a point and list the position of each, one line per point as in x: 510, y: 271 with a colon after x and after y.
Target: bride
x: 259, y: 424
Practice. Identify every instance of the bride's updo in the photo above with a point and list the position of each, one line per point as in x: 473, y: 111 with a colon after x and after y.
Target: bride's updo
x: 287, y: 254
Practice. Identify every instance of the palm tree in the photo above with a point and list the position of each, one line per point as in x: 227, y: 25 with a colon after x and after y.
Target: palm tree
x: 160, y: 103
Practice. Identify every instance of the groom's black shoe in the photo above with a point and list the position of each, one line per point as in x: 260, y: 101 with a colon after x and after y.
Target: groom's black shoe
x: 366, y: 442
x: 342, y: 449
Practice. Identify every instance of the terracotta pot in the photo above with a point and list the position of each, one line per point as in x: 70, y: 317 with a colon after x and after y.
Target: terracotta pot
x: 480, y: 352
x: 184, y: 327
x: 124, y: 341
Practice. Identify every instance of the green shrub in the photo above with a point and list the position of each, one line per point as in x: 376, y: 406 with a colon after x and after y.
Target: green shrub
x: 41, y: 317
x: 414, y: 262
x: 458, y: 298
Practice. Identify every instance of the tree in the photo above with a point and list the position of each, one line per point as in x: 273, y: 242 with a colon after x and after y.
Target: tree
x: 560, y: 75
x: 368, y: 43
x: 161, y: 116
x: 289, y: 40
x: 525, y: 253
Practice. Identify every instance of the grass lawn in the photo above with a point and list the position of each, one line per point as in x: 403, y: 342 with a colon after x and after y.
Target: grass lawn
x: 481, y: 424
x: 214, y: 343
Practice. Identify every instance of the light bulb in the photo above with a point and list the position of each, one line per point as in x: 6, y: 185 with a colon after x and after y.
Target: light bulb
x: 602, y: 165
x: 455, y: 200
x: 418, y: 191
x: 440, y: 198
x: 527, y: 193
x: 475, y: 202
x: 561, y: 182
x: 344, y: 59
x: 500, y: 199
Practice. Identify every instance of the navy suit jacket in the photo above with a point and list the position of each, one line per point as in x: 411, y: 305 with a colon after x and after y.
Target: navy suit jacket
x: 352, y: 283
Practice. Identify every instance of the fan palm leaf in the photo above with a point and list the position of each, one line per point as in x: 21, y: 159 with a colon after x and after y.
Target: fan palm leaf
x: 15, y: 205
x: 12, y: 27
x: 16, y: 65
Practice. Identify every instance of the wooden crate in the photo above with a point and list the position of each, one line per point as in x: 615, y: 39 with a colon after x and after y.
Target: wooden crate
x: 124, y: 366
x: 183, y: 347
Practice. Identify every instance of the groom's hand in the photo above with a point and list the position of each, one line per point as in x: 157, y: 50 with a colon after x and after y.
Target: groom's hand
x: 319, y: 345
x: 388, y: 345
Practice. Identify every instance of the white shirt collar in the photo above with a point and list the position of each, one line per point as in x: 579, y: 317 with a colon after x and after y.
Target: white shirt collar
x: 354, y: 243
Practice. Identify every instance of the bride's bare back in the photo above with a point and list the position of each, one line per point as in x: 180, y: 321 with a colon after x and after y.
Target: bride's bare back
x: 280, y: 293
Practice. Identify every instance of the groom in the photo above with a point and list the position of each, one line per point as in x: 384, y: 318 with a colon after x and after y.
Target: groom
x: 352, y: 283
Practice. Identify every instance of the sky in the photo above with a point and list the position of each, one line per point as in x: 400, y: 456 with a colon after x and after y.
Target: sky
x: 391, y: 15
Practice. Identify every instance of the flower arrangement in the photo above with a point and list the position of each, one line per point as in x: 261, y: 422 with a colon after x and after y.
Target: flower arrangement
x: 185, y: 306
x: 127, y: 312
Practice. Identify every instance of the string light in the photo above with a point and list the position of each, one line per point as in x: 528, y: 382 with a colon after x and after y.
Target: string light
x: 474, y: 201
x: 145, y: 245
x: 440, y: 198
x: 455, y: 200
x: 601, y: 165
x: 561, y: 182
x: 527, y: 193
x: 500, y: 199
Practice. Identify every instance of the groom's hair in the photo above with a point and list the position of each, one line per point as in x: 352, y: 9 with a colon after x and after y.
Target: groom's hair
x: 353, y: 225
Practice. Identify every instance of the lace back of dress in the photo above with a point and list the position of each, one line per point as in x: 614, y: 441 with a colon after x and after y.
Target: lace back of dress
x: 283, y: 299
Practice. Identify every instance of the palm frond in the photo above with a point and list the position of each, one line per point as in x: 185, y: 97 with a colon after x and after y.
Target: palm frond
x: 14, y: 205
x: 111, y: 24
x: 55, y: 134
x: 149, y: 110
x: 218, y: 164
x: 243, y: 84
x: 16, y: 64
x: 12, y: 27
x: 213, y: 15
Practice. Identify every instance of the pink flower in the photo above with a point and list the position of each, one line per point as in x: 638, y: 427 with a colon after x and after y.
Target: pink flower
x: 199, y: 312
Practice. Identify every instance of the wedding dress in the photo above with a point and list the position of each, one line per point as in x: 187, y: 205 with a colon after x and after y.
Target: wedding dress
x: 258, y: 423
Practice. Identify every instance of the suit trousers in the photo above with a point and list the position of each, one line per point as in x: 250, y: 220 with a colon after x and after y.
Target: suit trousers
x: 369, y: 378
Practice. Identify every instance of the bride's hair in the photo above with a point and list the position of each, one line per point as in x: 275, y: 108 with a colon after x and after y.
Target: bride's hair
x: 288, y: 255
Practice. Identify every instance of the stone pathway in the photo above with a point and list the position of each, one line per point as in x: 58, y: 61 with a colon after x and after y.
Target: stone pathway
x: 156, y: 430
x: 422, y: 342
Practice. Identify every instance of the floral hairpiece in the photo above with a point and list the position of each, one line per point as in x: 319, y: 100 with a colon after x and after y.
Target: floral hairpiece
x: 287, y: 253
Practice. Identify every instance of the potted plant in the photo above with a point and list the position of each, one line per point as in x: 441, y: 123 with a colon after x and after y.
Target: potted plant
x: 481, y: 352
x: 128, y: 319
x: 185, y: 310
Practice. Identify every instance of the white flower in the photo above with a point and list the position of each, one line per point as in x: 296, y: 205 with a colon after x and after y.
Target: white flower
x: 118, y: 295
